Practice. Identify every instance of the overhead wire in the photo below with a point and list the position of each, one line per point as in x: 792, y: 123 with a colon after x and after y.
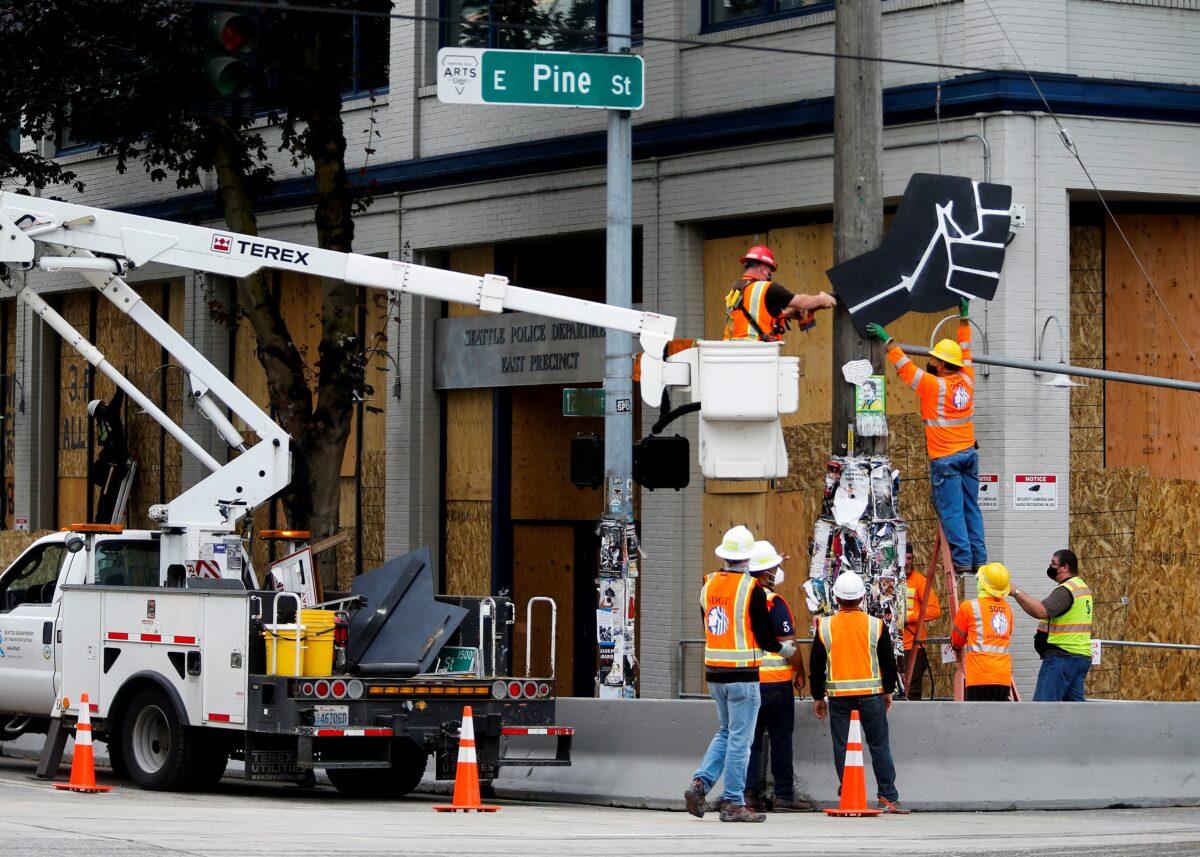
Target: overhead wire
x: 1069, y: 143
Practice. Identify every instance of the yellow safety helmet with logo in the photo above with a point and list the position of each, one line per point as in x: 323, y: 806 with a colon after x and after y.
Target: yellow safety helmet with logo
x: 948, y: 351
x: 992, y: 579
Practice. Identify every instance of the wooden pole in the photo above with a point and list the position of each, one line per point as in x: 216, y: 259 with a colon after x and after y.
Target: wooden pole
x: 857, y: 191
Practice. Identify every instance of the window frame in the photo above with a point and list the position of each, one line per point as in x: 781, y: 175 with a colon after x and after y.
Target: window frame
x: 10, y: 577
x: 102, y: 544
x: 354, y: 91
x: 764, y: 17
x: 493, y: 41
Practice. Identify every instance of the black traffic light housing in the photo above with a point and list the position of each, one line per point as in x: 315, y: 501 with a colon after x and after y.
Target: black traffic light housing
x: 587, y: 461
x: 230, y: 68
x: 660, y: 461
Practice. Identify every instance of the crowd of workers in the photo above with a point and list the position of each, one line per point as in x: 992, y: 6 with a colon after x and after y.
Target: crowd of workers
x: 753, y: 667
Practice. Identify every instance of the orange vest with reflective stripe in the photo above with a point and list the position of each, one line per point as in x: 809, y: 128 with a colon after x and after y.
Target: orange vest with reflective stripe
x: 728, y: 638
x: 947, y: 403
x: 850, y: 638
x: 987, y: 624
x: 747, y: 300
x: 916, y: 585
x: 775, y: 668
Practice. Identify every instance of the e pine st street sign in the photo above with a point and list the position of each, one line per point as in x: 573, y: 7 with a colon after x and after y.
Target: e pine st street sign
x: 540, y: 78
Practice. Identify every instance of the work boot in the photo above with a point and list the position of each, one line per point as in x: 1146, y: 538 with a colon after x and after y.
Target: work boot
x: 892, y: 807
x: 753, y: 801
x: 791, y: 804
x: 694, y: 798
x: 738, y: 812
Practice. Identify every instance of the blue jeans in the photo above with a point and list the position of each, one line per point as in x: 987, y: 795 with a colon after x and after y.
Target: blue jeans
x: 1061, y: 679
x: 875, y: 736
x: 729, y: 752
x: 776, y: 722
x: 955, y: 483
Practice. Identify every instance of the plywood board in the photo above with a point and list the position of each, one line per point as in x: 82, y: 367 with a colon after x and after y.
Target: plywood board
x: 541, y: 455
x: 544, y: 564
x: 469, y: 444
x: 470, y: 260
x: 468, y: 569
x: 722, y: 511
x: 1152, y: 425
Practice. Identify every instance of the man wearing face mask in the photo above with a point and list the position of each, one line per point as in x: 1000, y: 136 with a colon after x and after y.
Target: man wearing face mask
x: 947, y: 393
x: 777, y: 712
x: 1064, y: 634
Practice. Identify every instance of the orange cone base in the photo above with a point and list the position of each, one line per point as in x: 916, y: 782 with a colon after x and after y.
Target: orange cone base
x: 853, y: 812
x: 445, y: 807
x: 68, y: 787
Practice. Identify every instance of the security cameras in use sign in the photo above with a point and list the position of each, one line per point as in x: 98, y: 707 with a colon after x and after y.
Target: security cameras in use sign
x: 540, y: 78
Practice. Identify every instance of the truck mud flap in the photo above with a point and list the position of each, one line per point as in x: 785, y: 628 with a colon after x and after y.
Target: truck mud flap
x: 274, y: 759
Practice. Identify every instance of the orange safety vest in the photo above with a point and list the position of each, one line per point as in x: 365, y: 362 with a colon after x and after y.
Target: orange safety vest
x: 916, y: 583
x: 947, y: 404
x: 746, y: 315
x: 850, y: 638
x: 728, y: 638
x: 986, y: 625
x: 775, y: 668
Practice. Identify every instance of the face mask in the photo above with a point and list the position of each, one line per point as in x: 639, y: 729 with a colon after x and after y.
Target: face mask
x: 931, y: 368
x: 1052, y: 572
x: 778, y: 576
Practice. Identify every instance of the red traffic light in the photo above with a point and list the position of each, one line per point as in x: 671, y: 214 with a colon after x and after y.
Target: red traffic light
x: 236, y: 33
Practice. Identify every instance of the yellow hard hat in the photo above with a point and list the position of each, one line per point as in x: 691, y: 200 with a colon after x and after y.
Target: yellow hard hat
x: 992, y: 579
x: 948, y: 351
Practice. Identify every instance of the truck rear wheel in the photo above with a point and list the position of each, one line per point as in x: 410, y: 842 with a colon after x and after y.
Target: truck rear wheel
x: 159, y: 751
x: 408, y: 766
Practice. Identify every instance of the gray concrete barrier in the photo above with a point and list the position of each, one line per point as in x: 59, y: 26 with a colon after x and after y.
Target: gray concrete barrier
x: 949, y: 756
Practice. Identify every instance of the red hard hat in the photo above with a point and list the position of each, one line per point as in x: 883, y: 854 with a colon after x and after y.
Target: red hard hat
x: 760, y: 253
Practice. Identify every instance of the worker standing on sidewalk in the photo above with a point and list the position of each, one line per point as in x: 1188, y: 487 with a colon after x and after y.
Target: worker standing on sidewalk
x: 758, y: 310
x: 919, y: 593
x: 1064, y: 635
x: 947, y: 394
x: 778, y: 681
x: 737, y: 630
x: 983, y: 629
x: 852, y: 662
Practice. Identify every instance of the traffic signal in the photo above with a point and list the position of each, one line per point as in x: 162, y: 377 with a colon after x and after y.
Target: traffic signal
x: 229, y: 65
x: 660, y: 461
x: 587, y: 461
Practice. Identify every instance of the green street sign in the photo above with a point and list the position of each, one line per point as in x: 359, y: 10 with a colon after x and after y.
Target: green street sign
x: 583, y: 401
x: 540, y: 78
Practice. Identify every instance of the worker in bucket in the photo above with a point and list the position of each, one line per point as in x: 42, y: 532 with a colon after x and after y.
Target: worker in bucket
x: 852, y: 663
x: 946, y: 389
x: 1064, y: 635
x: 737, y: 630
x: 778, y: 681
x: 759, y: 310
x: 983, y: 630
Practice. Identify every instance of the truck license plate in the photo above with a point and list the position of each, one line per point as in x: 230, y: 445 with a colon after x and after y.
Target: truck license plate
x: 326, y: 716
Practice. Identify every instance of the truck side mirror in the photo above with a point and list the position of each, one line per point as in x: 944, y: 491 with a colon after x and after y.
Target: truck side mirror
x: 74, y: 544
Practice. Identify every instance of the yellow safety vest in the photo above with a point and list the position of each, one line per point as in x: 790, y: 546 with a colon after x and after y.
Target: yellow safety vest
x: 850, y: 638
x: 1072, y: 631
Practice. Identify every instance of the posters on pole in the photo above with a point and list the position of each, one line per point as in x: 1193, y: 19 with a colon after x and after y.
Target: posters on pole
x: 989, y: 492
x: 1035, y: 492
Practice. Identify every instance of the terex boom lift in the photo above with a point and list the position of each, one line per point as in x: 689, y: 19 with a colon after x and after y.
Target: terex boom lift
x: 174, y: 666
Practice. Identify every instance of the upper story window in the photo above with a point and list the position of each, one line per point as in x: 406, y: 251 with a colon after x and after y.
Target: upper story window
x: 371, y: 40
x: 722, y: 14
x: 516, y: 24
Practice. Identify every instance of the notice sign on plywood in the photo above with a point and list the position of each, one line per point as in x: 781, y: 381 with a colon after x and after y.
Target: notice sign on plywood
x: 989, y: 492
x: 1035, y: 492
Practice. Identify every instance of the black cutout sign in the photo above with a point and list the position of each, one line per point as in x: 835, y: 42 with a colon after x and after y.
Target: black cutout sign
x: 945, y: 243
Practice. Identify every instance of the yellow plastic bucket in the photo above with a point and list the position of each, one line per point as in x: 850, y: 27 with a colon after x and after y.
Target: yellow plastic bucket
x: 314, y: 638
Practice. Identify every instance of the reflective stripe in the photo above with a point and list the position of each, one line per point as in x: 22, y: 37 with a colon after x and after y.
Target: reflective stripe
x: 858, y: 685
x: 854, y: 758
x: 1072, y: 629
x: 978, y: 645
x: 941, y: 398
x: 961, y: 421
x: 734, y: 647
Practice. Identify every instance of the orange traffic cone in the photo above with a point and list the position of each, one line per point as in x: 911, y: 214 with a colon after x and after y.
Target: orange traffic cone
x: 466, y: 777
x: 854, y: 782
x: 83, y: 764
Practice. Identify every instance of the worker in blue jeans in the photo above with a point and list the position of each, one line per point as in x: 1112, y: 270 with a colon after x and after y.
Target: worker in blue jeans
x: 737, y: 630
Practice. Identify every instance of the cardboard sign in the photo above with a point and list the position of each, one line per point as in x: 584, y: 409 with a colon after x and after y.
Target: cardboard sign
x: 989, y: 492
x: 1035, y: 492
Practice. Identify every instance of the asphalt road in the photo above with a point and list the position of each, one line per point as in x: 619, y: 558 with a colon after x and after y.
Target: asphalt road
x: 244, y: 819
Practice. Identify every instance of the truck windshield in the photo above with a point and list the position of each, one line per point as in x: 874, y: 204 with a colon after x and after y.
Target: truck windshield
x: 33, y: 577
x: 126, y: 563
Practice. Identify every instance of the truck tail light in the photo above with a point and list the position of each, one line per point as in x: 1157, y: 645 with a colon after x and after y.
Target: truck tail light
x: 338, y: 689
x: 530, y: 690
x: 306, y: 689
x: 543, y: 689
x: 514, y: 689
x: 355, y: 688
x: 322, y: 689
x: 499, y: 689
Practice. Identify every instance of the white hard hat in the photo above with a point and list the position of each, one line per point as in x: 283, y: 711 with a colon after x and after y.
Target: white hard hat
x: 737, y: 544
x: 93, y: 405
x: 764, y: 556
x: 849, y: 587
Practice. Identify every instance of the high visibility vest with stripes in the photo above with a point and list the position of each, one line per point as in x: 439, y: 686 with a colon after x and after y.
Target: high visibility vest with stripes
x: 850, y: 638
x: 947, y: 405
x: 1072, y: 631
x: 775, y: 668
x: 988, y: 652
x: 728, y: 638
x: 748, y: 299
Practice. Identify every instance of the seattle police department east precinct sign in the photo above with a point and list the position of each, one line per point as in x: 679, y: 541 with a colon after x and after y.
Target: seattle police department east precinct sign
x: 540, y: 78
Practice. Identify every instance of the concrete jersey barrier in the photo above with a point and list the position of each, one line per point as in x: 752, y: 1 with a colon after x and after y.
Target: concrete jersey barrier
x: 949, y: 756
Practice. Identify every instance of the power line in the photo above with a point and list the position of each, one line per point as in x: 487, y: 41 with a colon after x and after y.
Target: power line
x: 569, y: 31
x: 1065, y: 136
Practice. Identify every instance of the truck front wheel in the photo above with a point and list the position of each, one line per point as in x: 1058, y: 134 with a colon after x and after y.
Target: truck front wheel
x: 159, y: 751
x: 408, y: 766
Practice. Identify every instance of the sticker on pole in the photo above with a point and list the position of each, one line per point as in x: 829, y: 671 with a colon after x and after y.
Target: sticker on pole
x: 989, y: 492
x: 1035, y: 492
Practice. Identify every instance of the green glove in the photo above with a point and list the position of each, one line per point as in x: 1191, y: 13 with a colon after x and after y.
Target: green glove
x: 964, y: 308
x: 877, y: 331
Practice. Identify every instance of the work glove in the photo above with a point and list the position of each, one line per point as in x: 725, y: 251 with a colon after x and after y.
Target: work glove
x: 789, y: 649
x: 964, y: 308
x: 877, y: 331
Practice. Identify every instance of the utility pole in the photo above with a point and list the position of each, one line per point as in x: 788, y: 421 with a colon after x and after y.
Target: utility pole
x: 618, y: 347
x: 857, y: 191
